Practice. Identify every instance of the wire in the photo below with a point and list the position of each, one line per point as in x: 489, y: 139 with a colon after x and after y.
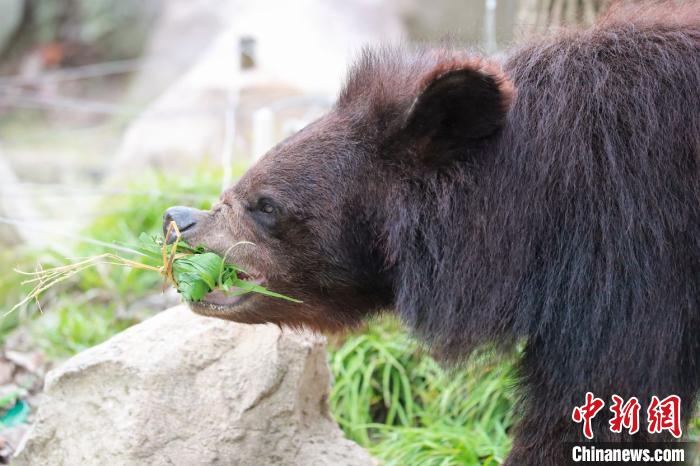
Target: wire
x: 94, y: 70
x: 35, y: 100
x: 62, y: 190
x: 23, y: 99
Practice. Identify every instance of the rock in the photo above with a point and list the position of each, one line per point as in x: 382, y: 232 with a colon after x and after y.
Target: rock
x: 30, y: 362
x: 7, y: 370
x: 181, y: 389
x: 9, y: 440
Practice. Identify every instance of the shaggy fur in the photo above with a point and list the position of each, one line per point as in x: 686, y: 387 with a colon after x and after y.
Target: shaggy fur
x: 578, y: 229
x: 555, y: 201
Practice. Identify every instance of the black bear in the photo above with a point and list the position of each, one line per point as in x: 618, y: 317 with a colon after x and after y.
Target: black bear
x: 553, y: 199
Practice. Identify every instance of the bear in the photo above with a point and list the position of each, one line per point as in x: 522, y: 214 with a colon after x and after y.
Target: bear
x: 550, y: 199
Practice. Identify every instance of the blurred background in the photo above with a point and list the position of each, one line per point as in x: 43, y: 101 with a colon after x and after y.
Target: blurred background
x: 112, y: 111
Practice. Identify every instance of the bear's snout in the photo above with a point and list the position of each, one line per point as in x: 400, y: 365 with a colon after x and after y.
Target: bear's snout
x: 185, y: 219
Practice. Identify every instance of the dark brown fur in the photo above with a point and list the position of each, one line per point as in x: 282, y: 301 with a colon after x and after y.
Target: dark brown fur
x: 555, y: 201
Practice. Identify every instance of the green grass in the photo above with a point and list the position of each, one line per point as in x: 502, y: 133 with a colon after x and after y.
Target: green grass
x: 141, y: 212
x: 394, y: 399
x: 97, y: 294
x: 69, y: 329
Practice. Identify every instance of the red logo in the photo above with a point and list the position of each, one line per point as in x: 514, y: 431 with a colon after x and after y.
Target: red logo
x: 587, y: 412
x: 625, y: 415
x: 665, y: 415
x: 662, y: 415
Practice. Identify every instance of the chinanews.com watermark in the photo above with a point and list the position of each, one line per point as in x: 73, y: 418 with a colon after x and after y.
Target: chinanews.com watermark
x: 662, y: 416
x: 610, y: 454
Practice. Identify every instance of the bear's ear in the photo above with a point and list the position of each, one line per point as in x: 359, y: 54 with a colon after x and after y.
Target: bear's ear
x: 459, y: 106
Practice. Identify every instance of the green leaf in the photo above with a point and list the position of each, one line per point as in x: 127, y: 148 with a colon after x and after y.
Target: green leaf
x: 201, y: 272
x: 191, y: 287
x: 206, y: 266
x: 252, y: 287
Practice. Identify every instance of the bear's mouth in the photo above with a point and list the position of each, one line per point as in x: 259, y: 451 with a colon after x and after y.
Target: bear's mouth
x: 219, y: 301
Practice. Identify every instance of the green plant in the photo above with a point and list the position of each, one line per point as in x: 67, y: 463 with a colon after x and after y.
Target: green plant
x: 70, y: 328
x: 394, y: 399
x: 141, y: 210
x: 193, y: 271
x: 126, y: 212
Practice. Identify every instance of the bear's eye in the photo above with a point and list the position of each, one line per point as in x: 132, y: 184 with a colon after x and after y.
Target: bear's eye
x: 265, y: 212
x: 266, y: 206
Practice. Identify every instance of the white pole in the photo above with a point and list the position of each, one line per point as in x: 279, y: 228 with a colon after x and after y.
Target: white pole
x: 263, y: 131
x: 229, y: 139
x: 490, y: 44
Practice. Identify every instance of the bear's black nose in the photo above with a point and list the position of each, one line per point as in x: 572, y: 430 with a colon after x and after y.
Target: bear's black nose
x: 184, y: 217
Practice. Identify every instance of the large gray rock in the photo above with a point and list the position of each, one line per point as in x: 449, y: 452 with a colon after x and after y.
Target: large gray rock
x: 180, y: 389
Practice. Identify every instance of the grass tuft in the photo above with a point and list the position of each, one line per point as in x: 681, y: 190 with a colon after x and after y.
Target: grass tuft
x: 397, y: 401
